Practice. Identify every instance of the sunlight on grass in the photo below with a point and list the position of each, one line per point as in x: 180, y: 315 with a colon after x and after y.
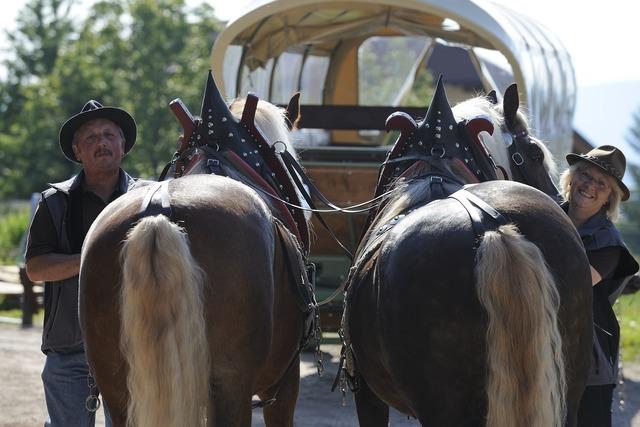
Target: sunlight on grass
x: 16, y: 313
x: 628, y: 312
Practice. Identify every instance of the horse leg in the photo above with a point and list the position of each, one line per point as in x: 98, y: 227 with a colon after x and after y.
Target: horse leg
x: 117, y: 411
x: 231, y: 406
x: 280, y: 413
x: 371, y: 410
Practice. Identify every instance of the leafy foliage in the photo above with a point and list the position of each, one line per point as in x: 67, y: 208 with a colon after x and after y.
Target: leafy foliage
x: 137, y: 55
x: 13, y: 225
x: 628, y: 312
x: 629, y: 226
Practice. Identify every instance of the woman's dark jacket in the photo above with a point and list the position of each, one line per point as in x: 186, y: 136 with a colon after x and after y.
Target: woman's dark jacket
x: 597, y: 233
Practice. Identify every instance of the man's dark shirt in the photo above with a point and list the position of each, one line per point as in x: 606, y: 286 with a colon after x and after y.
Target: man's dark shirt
x: 84, y: 208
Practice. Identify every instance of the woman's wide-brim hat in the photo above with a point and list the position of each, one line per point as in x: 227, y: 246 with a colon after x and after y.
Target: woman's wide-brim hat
x: 609, y: 159
x: 94, y: 110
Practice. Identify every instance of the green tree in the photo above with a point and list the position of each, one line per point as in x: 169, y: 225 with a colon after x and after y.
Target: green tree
x: 43, y: 27
x: 138, y: 54
x: 630, y: 224
x: 168, y: 58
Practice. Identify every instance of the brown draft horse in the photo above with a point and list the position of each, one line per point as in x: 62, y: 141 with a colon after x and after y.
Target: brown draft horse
x: 188, y: 314
x: 468, y: 310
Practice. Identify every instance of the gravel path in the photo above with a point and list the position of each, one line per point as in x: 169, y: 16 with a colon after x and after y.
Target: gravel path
x: 22, y: 399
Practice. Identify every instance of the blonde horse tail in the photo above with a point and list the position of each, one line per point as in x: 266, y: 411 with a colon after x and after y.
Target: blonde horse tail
x: 526, y: 379
x: 163, y: 333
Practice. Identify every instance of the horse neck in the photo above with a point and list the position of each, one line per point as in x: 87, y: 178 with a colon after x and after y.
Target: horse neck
x: 494, y: 143
x: 497, y: 147
x: 415, y: 189
x: 270, y: 120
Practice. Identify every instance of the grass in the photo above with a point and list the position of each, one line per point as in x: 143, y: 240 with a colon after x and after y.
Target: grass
x: 16, y: 313
x: 628, y: 312
x: 14, y: 220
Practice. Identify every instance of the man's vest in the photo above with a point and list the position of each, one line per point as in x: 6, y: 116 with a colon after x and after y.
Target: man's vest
x: 61, y: 331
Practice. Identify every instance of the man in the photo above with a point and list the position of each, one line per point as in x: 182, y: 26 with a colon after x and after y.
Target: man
x: 98, y: 138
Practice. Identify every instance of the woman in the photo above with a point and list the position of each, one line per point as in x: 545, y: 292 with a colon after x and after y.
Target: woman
x: 593, y: 190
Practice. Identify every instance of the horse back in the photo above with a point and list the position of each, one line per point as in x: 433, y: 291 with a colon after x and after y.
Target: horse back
x: 231, y: 237
x: 419, y: 309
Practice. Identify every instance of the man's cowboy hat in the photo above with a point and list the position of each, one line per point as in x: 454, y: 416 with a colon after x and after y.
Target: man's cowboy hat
x: 609, y: 159
x: 94, y: 110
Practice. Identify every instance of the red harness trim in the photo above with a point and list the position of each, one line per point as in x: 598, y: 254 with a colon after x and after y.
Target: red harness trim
x: 248, y: 170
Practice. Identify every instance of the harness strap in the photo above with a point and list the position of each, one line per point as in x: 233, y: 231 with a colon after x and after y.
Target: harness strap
x: 518, y: 160
x: 156, y: 201
x: 296, y: 173
x: 301, y: 180
x: 165, y: 169
x: 476, y: 207
x: 484, y: 159
x: 304, y: 288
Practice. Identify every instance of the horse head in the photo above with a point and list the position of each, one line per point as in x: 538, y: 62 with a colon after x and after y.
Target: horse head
x: 531, y: 161
x: 524, y: 157
x: 441, y: 150
x: 273, y: 122
x: 244, y: 141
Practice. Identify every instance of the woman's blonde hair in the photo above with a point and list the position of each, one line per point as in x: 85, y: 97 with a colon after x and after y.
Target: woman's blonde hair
x: 613, y: 204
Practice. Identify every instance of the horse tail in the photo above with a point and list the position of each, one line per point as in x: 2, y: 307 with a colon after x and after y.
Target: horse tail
x: 526, y: 378
x: 163, y: 328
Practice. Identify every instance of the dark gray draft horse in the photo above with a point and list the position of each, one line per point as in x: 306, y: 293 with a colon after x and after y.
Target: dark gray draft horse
x: 193, y: 295
x: 471, y: 309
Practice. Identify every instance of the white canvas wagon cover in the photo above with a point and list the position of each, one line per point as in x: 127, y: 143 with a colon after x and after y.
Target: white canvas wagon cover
x: 496, y: 37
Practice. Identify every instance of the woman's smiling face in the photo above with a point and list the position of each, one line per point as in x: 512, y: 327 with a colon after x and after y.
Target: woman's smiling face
x: 590, y: 189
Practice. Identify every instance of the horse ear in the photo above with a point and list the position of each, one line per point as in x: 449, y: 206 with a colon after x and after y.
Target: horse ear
x: 492, y: 97
x: 510, y: 103
x: 292, y: 112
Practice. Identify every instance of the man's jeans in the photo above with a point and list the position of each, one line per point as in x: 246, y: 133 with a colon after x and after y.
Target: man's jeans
x: 66, y: 389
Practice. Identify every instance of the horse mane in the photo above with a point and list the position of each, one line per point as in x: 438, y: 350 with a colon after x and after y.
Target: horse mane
x: 270, y: 120
x: 481, y: 106
x: 406, y: 191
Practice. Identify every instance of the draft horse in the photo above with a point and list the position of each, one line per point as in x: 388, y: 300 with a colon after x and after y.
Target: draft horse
x: 467, y: 305
x: 194, y: 295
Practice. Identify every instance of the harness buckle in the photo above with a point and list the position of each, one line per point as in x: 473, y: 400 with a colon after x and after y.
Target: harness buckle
x: 435, y: 149
x: 214, y: 166
x: 279, y: 147
x: 517, y: 158
x: 435, y: 179
x: 92, y: 403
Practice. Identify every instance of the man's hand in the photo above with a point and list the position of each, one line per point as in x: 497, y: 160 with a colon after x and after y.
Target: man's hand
x: 595, y: 276
x: 52, y: 267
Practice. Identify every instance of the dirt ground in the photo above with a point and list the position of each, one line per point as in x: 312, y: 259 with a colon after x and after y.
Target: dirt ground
x: 22, y: 399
